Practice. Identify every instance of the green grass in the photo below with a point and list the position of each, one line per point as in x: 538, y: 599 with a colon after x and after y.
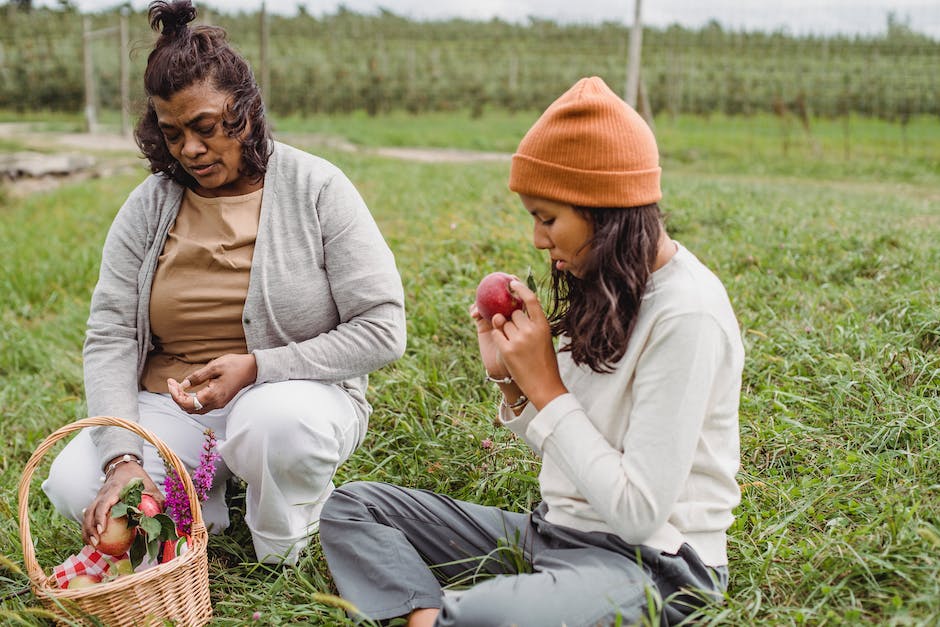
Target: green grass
x: 830, y: 261
x: 496, y: 131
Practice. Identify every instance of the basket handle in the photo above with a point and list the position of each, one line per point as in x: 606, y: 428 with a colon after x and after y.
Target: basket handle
x: 29, y: 553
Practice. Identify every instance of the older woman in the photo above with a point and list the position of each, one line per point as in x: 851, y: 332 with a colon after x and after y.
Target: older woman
x: 244, y: 288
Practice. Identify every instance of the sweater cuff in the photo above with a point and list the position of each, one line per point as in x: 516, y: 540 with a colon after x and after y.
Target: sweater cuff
x: 113, y: 442
x: 516, y: 424
x: 544, y: 423
x: 266, y: 362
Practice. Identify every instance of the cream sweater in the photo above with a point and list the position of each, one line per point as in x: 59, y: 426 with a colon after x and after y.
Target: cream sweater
x: 650, y: 451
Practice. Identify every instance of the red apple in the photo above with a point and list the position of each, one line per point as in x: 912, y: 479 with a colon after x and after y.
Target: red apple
x: 149, y: 506
x: 117, y: 537
x: 493, y: 296
x: 82, y: 581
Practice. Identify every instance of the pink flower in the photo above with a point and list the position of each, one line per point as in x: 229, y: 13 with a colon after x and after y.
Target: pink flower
x: 256, y: 616
x: 486, y: 443
x: 177, y: 502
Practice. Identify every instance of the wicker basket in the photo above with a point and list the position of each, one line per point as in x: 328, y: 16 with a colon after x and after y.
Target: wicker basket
x: 177, y: 590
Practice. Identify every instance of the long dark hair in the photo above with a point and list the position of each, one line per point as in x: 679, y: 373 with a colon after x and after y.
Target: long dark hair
x: 184, y: 56
x: 598, y: 311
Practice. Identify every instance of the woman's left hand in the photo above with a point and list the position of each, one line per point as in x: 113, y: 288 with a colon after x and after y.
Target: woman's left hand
x: 225, y: 377
x: 525, y: 346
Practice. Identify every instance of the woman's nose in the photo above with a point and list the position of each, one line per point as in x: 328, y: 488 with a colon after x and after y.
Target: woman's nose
x: 193, y: 146
x: 539, y: 238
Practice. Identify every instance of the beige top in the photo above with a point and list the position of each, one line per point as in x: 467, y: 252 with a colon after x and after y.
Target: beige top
x: 200, y: 286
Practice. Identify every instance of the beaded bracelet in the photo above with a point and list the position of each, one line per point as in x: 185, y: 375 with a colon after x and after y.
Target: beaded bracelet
x: 506, y: 380
x: 123, y: 460
x: 519, y: 402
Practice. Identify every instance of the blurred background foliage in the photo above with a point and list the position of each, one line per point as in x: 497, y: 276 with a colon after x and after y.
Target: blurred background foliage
x: 378, y: 63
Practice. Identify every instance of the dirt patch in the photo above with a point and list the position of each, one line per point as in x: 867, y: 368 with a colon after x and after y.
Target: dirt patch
x: 438, y: 155
x: 49, y: 159
x: 98, y: 142
x: 53, y: 159
x: 405, y: 153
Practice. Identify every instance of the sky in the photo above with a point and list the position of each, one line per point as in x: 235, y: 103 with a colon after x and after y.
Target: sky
x: 798, y: 17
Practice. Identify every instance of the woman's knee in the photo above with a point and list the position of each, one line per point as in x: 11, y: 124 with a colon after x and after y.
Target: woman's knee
x: 348, y: 502
x: 74, y: 478
x: 291, y: 427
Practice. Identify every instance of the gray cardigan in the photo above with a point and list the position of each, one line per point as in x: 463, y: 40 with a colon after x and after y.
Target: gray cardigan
x: 325, y: 300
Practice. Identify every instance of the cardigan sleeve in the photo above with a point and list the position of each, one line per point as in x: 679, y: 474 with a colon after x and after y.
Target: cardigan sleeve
x: 366, y: 288
x: 110, y: 351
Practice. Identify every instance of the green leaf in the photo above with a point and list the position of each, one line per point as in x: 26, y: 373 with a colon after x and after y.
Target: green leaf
x: 131, y: 492
x: 138, y: 550
x: 150, y: 526
x: 530, y: 280
x: 153, y: 549
x: 167, y: 527
x: 119, y: 509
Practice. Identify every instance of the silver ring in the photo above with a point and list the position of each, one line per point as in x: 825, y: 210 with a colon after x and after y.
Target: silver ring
x: 196, y: 404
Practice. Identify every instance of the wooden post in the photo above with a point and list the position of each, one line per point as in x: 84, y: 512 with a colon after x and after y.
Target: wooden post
x: 125, y: 77
x: 91, y: 114
x: 265, y: 70
x: 633, y: 57
x: 412, y: 70
x: 643, y: 107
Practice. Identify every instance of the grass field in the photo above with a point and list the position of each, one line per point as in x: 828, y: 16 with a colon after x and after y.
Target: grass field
x: 830, y: 259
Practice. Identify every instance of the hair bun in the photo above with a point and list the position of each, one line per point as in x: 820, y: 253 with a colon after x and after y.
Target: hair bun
x: 171, y: 18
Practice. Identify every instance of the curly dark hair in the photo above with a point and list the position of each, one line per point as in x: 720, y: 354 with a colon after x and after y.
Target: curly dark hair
x: 183, y: 56
x: 598, y: 311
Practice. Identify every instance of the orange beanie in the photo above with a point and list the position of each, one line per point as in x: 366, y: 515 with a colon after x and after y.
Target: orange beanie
x: 589, y: 149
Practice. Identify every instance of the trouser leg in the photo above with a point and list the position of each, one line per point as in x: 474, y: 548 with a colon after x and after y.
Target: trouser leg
x: 590, y: 579
x: 574, y: 587
x: 75, y: 474
x: 74, y: 477
x: 388, y: 548
x: 184, y: 434
x: 285, y: 440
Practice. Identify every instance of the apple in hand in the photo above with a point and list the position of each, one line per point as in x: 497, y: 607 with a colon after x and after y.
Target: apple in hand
x: 82, y: 581
x: 117, y: 537
x: 493, y: 296
x: 149, y: 506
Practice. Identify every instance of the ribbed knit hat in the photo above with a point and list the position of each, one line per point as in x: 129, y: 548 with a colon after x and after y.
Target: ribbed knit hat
x: 591, y: 149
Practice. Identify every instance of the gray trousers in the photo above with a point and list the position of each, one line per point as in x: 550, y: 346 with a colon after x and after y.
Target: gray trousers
x: 391, y: 549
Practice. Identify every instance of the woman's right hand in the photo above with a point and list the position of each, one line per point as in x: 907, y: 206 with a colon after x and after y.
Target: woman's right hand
x: 492, y: 363
x: 98, y: 511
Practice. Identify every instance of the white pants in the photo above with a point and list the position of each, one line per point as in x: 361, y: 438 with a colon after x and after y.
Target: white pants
x: 285, y: 440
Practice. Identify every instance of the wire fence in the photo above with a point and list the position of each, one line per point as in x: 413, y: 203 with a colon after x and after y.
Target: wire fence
x: 348, y: 61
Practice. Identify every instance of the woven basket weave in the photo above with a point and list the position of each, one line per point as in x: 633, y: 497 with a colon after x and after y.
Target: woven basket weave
x: 177, y: 590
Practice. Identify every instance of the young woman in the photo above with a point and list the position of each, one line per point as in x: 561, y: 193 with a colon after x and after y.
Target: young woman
x: 244, y: 288
x: 635, y: 415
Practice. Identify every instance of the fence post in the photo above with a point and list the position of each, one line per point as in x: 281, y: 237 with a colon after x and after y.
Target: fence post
x: 633, y: 57
x: 125, y: 77
x: 91, y: 114
x: 265, y: 71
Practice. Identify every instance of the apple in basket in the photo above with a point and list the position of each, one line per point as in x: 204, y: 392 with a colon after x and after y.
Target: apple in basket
x: 117, y: 537
x: 123, y: 567
x: 83, y: 581
x: 148, y: 505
